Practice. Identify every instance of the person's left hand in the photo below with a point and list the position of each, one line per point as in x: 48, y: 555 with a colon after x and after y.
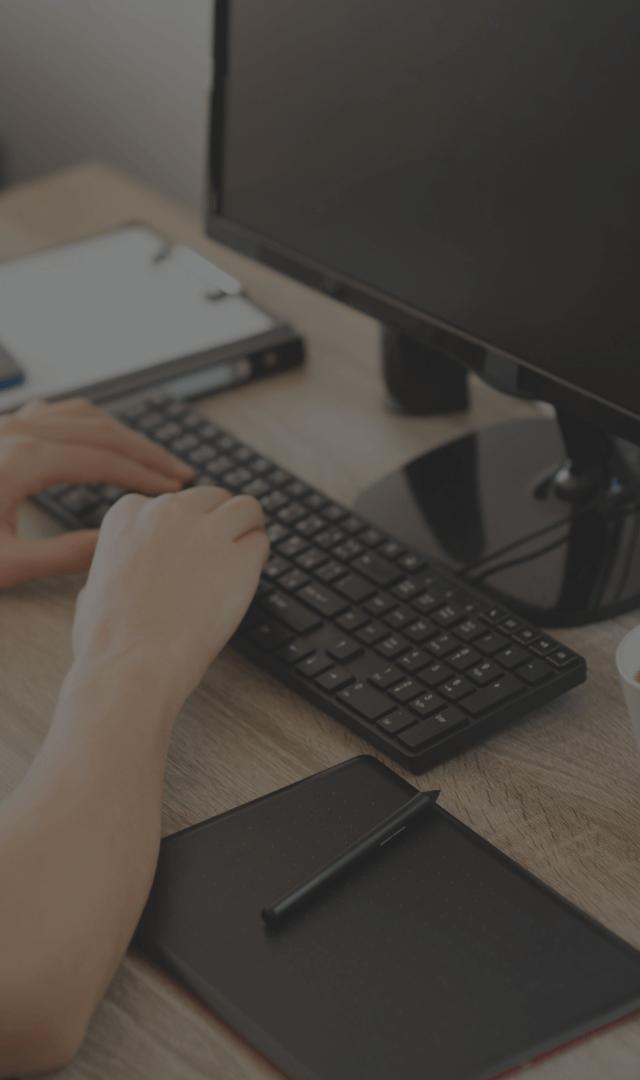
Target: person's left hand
x: 69, y: 442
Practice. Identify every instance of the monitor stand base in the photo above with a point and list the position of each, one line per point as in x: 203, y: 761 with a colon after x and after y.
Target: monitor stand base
x: 555, y: 538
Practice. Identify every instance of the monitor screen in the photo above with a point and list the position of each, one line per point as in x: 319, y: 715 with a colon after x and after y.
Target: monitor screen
x: 476, y: 160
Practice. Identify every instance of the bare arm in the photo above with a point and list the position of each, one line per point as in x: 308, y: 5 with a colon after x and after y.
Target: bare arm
x: 170, y: 581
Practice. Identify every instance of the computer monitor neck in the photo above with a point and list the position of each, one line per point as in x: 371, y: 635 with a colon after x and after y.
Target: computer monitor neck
x: 544, y: 513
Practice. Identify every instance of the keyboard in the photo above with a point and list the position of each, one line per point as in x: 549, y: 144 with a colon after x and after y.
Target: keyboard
x: 400, y: 651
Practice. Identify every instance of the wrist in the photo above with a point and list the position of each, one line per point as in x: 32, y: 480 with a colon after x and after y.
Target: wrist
x: 121, y: 684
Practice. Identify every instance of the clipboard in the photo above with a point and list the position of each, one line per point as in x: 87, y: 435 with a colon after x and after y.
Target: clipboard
x: 125, y: 310
x: 437, y: 957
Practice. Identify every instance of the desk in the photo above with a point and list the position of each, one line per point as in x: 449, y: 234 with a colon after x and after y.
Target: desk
x: 560, y: 792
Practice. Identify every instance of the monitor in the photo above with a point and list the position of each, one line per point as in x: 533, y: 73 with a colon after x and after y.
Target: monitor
x: 467, y: 172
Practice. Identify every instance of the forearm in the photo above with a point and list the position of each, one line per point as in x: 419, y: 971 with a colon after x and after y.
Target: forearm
x: 78, y: 846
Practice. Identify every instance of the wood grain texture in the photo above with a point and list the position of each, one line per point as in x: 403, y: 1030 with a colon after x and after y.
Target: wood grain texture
x: 559, y: 792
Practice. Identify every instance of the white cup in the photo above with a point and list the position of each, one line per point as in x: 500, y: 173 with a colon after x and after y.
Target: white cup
x: 628, y: 664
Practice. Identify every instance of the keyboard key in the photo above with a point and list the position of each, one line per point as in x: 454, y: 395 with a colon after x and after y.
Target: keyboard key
x: 510, y: 625
x: 411, y: 563
x: 322, y: 599
x: 371, y: 537
x: 355, y: 588
x: 310, y: 525
x: 297, y: 489
x: 392, y: 646
x: 483, y: 673
x: 347, y: 550
x: 449, y: 615
x: 428, y: 703
x: 396, y: 721
x: 392, y: 549
x: 366, y: 701
x: 494, y: 615
x: 378, y: 604
x: 333, y: 512
x: 291, y: 513
x: 275, y: 567
x: 328, y: 538
x: 274, y: 502
x: 512, y: 656
x: 290, y: 612
x: 236, y: 479
x: 218, y: 467
x: 257, y: 488
x: 311, y: 558
x: 435, y: 673
x: 414, y: 660
x: 420, y: 630
x: 406, y: 690
x: 202, y: 454
x: 562, y: 657
x: 344, y: 649
x: 278, y: 477
x: 457, y: 688
x: 314, y: 665
x: 293, y: 581
x: 535, y: 671
x: 442, y: 645
x: 464, y: 658
x: 268, y: 635
x: 526, y: 636
x: 79, y: 499
x: 352, y: 524
x: 185, y: 443
x: 385, y: 678
x: 292, y: 546
x: 406, y: 589
x: 329, y: 571
x: 494, y: 694
x: 427, y: 602
x: 469, y: 630
x: 371, y: 633
x: 352, y: 619
x: 334, y: 679
x: 276, y: 532
x: 94, y: 517
x: 399, y: 617
x: 296, y: 650
x: 435, y: 727
x: 544, y: 646
x: 491, y: 643
x: 377, y: 569
x: 315, y: 501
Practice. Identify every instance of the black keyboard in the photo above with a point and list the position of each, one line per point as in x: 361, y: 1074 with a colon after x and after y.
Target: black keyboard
x: 398, y: 650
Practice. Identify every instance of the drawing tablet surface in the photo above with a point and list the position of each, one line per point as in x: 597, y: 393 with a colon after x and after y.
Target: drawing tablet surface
x: 438, y: 957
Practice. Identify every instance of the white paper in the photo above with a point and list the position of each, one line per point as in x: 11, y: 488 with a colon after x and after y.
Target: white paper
x: 103, y: 307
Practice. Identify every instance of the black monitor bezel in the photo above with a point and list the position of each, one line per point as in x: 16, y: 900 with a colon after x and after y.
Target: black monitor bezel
x: 510, y: 373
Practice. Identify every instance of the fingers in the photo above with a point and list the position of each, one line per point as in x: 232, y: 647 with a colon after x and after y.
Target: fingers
x: 56, y: 463
x: 204, y: 499
x: 255, y: 545
x: 23, y: 560
x: 239, y: 515
x: 80, y: 422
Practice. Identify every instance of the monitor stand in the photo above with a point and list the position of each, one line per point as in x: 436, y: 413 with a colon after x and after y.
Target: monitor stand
x: 544, y: 514
x: 420, y: 379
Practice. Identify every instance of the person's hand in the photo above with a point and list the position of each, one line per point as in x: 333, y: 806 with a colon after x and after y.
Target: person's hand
x: 170, y: 581
x: 69, y: 442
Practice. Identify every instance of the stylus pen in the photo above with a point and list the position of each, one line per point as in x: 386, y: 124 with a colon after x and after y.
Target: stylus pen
x: 371, y: 841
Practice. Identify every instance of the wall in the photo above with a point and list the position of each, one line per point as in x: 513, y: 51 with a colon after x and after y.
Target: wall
x: 122, y: 80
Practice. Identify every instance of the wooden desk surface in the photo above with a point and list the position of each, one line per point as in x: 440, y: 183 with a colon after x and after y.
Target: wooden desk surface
x: 560, y: 792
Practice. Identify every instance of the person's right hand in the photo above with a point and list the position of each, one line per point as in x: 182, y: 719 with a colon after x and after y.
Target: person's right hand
x: 170, y: 581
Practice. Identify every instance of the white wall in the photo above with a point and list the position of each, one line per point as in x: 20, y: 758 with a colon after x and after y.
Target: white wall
x: 122, y: 80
